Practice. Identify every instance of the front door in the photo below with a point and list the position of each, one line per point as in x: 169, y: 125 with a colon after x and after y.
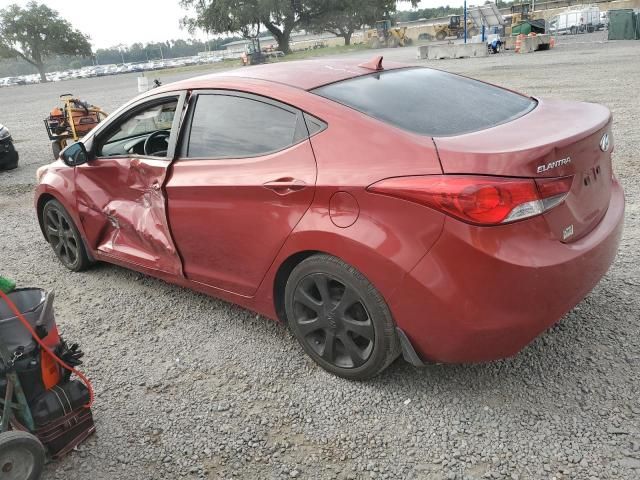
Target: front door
x: 120, y: 193
x: 244, y: 179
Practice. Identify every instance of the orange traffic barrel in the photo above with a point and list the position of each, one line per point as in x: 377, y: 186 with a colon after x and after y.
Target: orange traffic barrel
x: 519, y: 42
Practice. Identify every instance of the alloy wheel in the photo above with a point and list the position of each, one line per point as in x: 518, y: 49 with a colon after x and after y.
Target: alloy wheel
x: 333, y: 320
x: 62, y: 236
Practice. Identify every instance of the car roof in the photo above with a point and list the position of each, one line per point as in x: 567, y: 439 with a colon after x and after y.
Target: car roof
x: 303, y: 74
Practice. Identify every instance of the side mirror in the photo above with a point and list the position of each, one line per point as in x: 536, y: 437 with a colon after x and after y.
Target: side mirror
x: 75, y: 154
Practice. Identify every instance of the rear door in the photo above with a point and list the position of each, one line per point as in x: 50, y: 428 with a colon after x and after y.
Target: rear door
x: 245, y: 177
x: 119, y: 193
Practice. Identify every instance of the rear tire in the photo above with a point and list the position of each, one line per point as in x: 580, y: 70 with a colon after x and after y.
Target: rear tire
x: 22, y: 456
x: 339, y: 318
x: 440, y: 36
x: 63, y: 236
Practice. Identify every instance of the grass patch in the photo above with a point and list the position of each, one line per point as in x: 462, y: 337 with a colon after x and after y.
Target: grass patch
x: 321, y: 52
x: 236, y: 62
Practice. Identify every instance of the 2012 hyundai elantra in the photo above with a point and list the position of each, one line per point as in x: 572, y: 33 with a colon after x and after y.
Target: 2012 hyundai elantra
x: 375, y: 209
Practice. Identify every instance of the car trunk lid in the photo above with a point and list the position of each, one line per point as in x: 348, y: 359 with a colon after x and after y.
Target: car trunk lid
x: 556, y: 139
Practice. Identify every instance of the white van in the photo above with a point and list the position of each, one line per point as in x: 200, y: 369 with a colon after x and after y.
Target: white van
x: 578, y: 19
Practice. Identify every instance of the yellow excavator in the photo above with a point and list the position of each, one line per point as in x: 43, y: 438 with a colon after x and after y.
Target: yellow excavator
x: 384, y: 35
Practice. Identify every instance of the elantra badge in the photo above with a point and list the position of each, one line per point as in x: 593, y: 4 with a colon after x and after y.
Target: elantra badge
x: 604, y: 142
x: 556, y: 164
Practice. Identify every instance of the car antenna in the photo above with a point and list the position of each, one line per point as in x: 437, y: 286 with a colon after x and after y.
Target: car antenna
x: 374, y: 64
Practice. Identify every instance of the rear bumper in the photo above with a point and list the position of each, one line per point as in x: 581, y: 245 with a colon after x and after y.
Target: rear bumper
x: 482, y: 294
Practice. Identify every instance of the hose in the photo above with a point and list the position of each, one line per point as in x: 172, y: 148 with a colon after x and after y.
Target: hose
x: 28, y: 326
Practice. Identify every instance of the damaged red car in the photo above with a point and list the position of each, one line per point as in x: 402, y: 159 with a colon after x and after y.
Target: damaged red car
x: 377, y: 210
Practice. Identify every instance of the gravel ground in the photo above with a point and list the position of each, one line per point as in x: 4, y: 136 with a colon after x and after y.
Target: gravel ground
x: 191, y: 387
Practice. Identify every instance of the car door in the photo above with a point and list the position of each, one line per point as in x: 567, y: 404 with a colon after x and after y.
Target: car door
x: 120, y: 194
x: 245, y: 177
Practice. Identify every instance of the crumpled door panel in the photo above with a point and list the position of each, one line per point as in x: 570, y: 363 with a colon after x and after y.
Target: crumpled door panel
x: 122, y: 209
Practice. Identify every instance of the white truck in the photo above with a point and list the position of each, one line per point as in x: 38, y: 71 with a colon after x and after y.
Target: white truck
x: 578, y: 19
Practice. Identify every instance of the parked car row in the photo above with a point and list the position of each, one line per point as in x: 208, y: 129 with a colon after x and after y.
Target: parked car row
x: 112, y: 69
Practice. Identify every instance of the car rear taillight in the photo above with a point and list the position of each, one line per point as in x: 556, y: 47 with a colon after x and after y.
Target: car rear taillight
x: 477, y: 199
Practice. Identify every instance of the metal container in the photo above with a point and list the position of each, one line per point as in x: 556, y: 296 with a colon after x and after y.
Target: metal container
x: 30, y: 302
x: 622, y: 24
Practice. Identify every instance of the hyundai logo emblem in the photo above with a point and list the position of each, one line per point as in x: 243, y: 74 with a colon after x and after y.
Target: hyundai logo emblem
x: 604, y: 142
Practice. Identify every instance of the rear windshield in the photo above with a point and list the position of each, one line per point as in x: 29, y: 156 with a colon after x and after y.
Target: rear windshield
x: 428, y: 102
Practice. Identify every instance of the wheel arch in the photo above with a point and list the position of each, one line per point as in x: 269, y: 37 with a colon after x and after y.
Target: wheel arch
x: 383, y: 273
x: 45, y: 197
x: 40, y: 203
x: 281, y: 277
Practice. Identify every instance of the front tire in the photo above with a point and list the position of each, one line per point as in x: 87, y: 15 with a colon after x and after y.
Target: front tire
x: 64, y: 237
x: 22, y: 456
x: 339, y: 318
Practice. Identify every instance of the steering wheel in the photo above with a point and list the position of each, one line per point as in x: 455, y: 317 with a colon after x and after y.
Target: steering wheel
x: 151, y: 144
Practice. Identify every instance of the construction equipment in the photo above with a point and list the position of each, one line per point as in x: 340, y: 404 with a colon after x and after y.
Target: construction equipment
x: 253, y: 54
x: 384, y: 35
x: 522, y: 19
x: 71, y: 122
x: 520, y: 12
x: 43, y: 412
x: 455, y: 28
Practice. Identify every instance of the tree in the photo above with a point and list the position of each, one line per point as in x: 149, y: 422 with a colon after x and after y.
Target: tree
x: 280, y: 17
x: 35, y: 32
x: 344, y: 17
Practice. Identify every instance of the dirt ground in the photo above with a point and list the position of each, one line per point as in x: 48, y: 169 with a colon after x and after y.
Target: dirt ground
x: 191, y: 387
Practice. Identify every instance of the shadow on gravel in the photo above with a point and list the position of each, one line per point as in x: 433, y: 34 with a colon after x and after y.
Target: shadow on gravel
x: 563, y: 355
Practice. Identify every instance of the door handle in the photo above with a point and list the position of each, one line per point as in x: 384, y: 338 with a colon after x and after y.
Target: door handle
x: 285, y: 185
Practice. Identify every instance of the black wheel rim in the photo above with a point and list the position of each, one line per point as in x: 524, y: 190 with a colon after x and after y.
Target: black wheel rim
x: 333, y: 320
x: 61, y: 236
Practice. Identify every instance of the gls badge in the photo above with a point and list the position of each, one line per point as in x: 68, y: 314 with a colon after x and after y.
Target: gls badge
x: 604, y: 142
x: 567, y: 232
x: 556, y: 164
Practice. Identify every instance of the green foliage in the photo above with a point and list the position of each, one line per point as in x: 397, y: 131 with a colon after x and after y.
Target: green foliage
x: 36, y: 32
x: 280, y: 17
x: 135, y: 53
x: 344, y: 17
x: 408, y: 16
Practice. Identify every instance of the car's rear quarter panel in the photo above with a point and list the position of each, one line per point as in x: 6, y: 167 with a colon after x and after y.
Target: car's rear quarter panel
x: 390, y: 235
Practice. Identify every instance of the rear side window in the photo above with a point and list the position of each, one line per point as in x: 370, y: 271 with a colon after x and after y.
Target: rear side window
x: 428, y: 102
x: 226, y: 126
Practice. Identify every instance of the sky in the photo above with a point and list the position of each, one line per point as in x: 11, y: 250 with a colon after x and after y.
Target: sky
x: 113, y: 22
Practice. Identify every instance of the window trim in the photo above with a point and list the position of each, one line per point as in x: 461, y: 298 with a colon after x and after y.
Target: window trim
x: 134, y: 109
x: 185, y: 134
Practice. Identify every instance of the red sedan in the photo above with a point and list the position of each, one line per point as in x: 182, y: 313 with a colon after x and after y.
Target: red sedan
x: 376, y: 210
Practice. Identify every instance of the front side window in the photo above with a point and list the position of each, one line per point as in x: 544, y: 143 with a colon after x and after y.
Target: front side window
x: 225, y: 126
x: 145, y: 133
